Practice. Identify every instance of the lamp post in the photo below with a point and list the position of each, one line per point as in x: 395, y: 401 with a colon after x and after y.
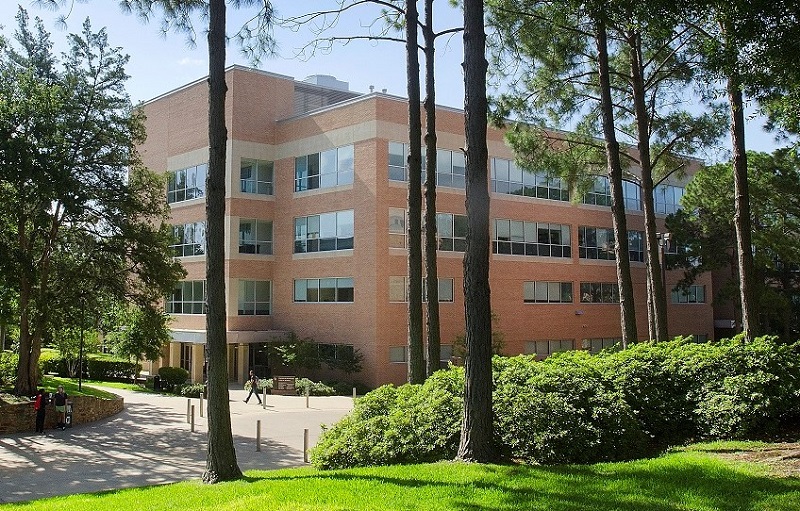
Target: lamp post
x: 663, y: 241
x: 80, y: 352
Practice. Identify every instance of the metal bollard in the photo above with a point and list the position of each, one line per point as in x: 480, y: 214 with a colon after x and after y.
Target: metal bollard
x: 264, y: 401
x: 201, y: 404
x: 305, y: 445
x: 188, y: 409
x: 308, y: 390
x: 192, y: 418
x: 354, y: 393
x: 258, y: 436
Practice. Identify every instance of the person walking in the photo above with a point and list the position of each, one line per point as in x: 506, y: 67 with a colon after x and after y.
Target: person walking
x: 40, y: 405
x: 60, y: 401
x: 253, y: 387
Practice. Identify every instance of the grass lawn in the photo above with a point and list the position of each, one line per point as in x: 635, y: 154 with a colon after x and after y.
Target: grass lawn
x: 51, y: 383
x: 687, y: 480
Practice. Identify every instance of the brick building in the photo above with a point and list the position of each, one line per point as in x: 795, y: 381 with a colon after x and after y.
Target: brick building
x: 316, y: 231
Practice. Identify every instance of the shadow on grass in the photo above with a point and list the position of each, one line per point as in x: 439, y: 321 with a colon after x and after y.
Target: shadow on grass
x: 675, y: 482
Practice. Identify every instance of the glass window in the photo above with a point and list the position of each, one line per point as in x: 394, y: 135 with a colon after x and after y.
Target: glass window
x: 450, y: 165
x: 398, y: 235
x: 598, y: 344
x: 257, y: 177
x: 189, y: 239
x: 255, y: 237
x: 547, y: 292
x: 255, y: 297
x: 598, y: 243
x: 331, y: 289
x: 397, y: 354
x: 510, y: 179
x: 599, y: 292
x: 531, y: 239
x: 327, y: 169
x: 397, y: 161
x: 451, y: 231
x: 667, y: 198
x: 546, y: 347
x: 692, y: 294
x: 398, y: 289
x: 188, y: 297
x: 187, y: 184
x: 324, y: 232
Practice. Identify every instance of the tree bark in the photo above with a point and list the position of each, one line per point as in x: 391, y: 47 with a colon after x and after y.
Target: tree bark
x: 656, y: 287
x: 476, y: 430
x: 741, y: 216
x: 621, y: 245
x: 221, y: 462
x: 432, y: 282
x: 416, y: 363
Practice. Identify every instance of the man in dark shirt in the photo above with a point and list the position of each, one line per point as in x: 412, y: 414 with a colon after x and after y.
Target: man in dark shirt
x: 60, y: 402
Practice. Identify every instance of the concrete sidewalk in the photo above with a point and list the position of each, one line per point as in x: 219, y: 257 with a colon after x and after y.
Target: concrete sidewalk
x: 151, y: 443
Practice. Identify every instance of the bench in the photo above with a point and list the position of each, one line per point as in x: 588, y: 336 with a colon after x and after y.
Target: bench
x: 284, y: 385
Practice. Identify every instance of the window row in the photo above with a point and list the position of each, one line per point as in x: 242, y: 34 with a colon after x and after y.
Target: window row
x: 327, y: 169
x: 451, y: 167
x: 531, y: 238
x: 257, y: 177
x: 398, y: 289
x: 324, y: 290
x: 399, y: 354
x: 598, y: 243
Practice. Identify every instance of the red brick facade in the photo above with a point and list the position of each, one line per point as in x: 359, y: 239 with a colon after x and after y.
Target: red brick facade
x: 263, y: 126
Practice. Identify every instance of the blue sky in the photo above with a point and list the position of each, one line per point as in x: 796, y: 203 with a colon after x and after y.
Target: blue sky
x: 159, y: 63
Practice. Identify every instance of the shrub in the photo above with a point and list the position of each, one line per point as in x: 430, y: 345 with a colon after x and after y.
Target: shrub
x: 8, y: 367
x: 51, y: 362
x: 314, y: 388
x: 172, y: 377
x: 192, y: 390
x: 345, y: 388
x: 263, y: 383
x: 661, y: 392
x: 562, y: 411
x: 111, y: 369
x: 407, y: 424
x: 755, y: 392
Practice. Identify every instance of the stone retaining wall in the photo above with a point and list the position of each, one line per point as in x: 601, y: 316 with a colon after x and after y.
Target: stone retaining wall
x: 20, y: 417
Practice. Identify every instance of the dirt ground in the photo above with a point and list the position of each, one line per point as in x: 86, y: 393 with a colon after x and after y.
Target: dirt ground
x: 780, y: 459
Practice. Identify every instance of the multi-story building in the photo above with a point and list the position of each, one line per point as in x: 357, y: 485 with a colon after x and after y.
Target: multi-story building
x: 316, y: 231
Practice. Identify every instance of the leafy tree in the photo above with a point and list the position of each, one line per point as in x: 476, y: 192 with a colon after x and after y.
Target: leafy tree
x: 86, y: 219
x: 705, y: 231
x: 141, y: 334
x: 476, y: 431
x: 564, y: 49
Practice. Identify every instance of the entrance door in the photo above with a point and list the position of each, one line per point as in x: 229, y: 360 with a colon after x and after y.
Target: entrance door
x: 259, y: 360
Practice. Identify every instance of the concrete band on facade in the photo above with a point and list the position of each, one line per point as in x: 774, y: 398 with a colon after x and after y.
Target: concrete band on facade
x: 275, y: 122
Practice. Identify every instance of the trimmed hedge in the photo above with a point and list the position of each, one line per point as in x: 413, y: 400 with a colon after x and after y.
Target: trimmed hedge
x: 578, y: 408
x: 110, y: 369
x: 172, y: 377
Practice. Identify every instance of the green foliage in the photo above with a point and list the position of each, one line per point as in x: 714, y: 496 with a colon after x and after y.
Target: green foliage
x: 562, y: 411
x: 574, y: 407
x: 52, y: 362
x: 172, y: 377
x: 8, y: 367
x: 192, y: 390
x: 406, y: 424
x: 142, y: 333
x: 304, y: 385
x: 296, y: 354
x: 263, y: 383
x: 348, y: 360
x: 112, y: 369
x: 755, y: 391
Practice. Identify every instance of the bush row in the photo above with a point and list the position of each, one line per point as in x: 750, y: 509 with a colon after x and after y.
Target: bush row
x: 575, y: 407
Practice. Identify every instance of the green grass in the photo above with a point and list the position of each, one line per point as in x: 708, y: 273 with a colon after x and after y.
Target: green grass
x: 689, y: 480
x: 51, y: 383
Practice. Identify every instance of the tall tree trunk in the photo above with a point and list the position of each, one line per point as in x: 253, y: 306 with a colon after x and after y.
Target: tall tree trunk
x: 27, y: 366
x: 416, y: 363
x: 476, y: 429
x: 656, y: 287
x: 221, y: 462
x: 621, y: 245
x: 741, y: 216
x: 432, y: 282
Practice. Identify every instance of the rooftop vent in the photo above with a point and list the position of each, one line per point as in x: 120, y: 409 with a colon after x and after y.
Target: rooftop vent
x: 327, y: 81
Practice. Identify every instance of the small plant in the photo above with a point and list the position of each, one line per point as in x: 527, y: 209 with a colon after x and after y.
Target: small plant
x: 263, y: 383
x: 192, y: 390
x: 304, y: 385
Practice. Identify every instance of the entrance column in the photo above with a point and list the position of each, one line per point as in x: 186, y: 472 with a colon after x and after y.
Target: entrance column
x: 198, y: 359
x: 244, y: 362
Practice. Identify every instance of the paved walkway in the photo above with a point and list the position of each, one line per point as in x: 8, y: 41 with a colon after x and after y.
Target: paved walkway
x: 151, y: 443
